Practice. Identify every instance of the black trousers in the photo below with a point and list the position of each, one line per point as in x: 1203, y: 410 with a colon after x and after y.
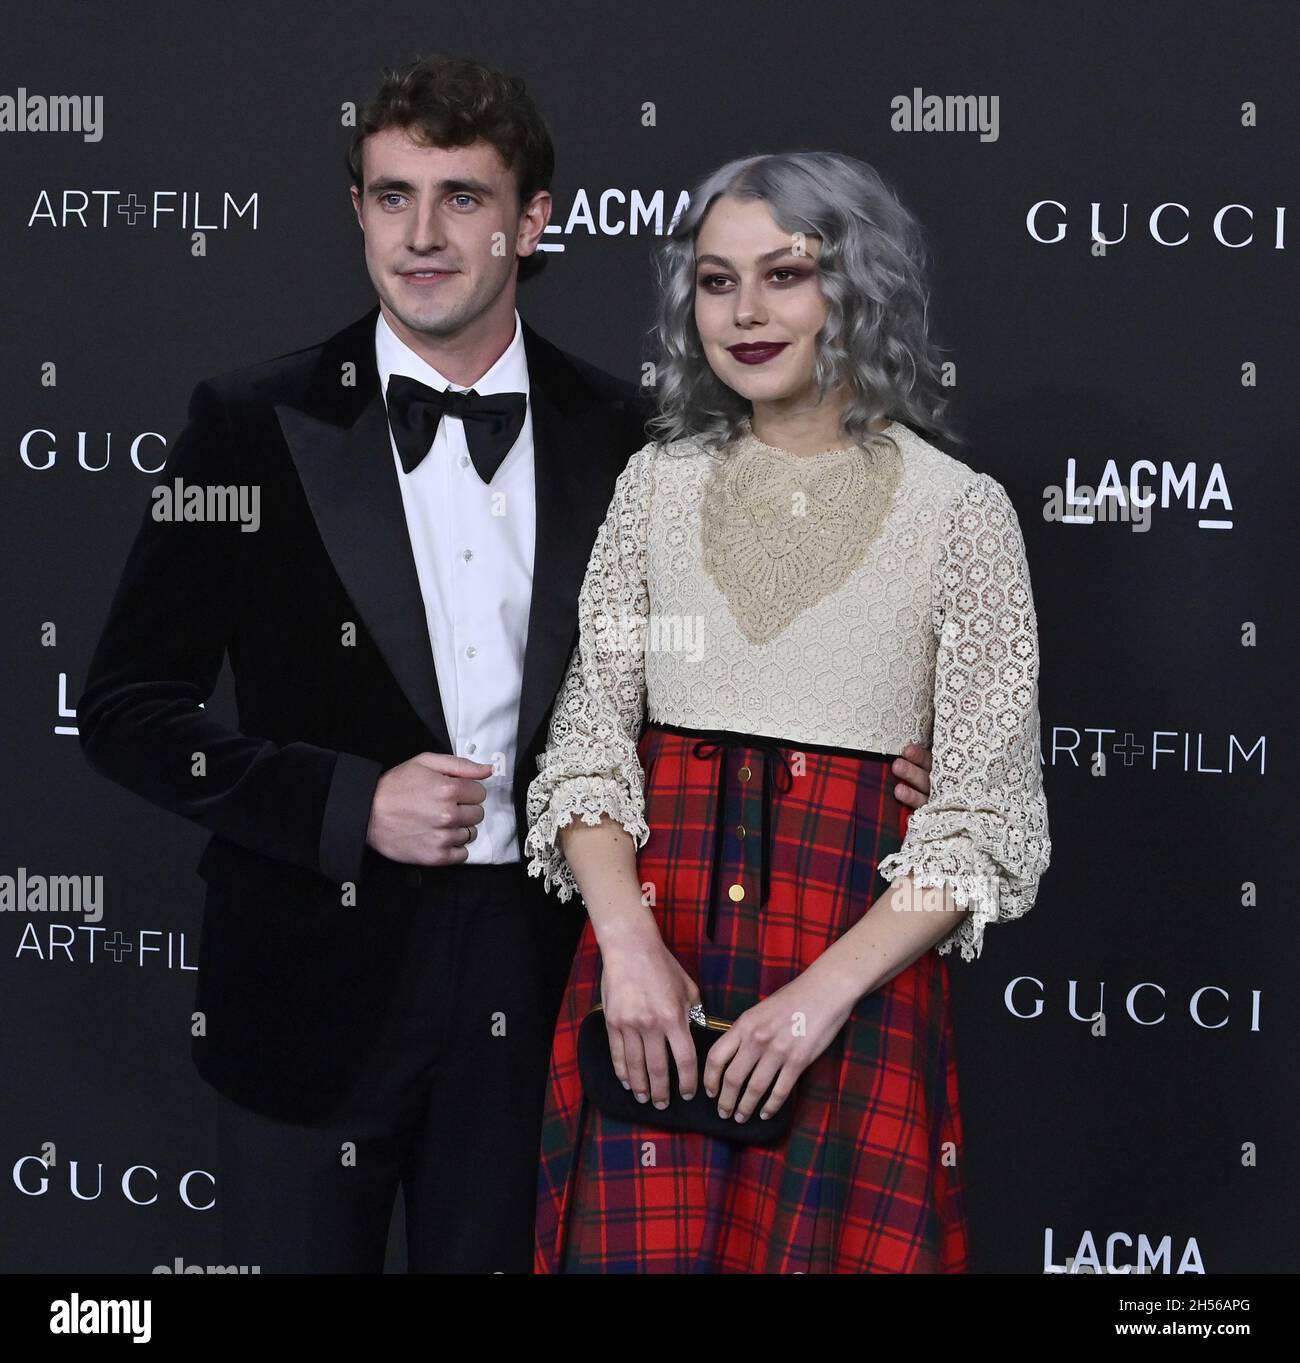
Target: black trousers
x: 449, y: 1107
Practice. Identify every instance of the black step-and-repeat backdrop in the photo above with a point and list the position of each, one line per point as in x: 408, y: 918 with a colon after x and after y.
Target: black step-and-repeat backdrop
x: 1115, y: 234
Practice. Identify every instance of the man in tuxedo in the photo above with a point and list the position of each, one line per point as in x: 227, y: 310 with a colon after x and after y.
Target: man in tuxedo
x: 378, y: 978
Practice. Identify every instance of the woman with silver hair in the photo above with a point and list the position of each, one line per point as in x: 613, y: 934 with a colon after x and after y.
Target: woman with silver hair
x: 791, y: 586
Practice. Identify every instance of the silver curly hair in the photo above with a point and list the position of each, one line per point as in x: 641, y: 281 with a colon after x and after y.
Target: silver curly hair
x: 872, y: 268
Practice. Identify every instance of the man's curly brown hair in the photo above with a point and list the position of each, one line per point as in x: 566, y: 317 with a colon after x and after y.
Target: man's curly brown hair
x: 453, y: 101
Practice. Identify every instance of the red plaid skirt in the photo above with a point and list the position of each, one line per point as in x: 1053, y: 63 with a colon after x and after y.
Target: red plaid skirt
x: 869, y: 1178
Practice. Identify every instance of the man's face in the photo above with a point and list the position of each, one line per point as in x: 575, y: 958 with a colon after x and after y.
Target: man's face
x: 442, y: 228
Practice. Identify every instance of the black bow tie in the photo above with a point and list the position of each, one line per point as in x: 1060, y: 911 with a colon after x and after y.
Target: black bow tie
x: 492, y: 421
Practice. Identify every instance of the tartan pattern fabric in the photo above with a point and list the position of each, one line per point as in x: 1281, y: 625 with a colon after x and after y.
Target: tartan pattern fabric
x: 869, y: 1179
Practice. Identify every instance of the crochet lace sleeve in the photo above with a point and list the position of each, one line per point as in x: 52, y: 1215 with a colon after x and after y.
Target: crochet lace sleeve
x: 590, y: 765
x: 984, y: 829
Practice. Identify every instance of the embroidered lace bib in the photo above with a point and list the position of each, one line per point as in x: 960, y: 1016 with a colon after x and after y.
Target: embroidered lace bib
x: 780, y: 531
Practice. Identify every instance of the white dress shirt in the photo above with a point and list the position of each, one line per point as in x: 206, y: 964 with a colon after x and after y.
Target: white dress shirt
x: 473, y: 546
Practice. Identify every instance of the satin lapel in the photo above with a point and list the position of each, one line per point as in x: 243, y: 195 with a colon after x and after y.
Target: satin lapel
x: 576, y: 443
x: 339, y: 441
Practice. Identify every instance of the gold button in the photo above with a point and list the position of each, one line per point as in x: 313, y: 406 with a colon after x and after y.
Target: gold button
x: 740, y: 830
x: 736, y: 893
x: 745, y: 773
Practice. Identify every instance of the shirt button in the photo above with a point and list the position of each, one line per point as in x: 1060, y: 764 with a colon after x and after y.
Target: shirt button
x: 464, y: 461
x: 736, y: 893
x: 471, y: 652
x: 473, y: 747
x: 467, y: 554
x: 740, y: 830
x: 744, y: 773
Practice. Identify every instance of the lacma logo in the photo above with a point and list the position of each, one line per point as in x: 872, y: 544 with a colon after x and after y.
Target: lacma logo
x: 1133, y: 495
x: 1151, y: 1254
x: 616, y: 212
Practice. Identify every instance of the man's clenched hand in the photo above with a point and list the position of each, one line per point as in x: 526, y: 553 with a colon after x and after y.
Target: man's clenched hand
x: 424, y: 810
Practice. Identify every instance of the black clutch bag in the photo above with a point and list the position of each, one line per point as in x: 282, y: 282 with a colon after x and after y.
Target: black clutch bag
x: 603, y: 1088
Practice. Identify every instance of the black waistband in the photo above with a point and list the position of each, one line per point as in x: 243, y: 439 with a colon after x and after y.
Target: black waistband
x: 734, y: 738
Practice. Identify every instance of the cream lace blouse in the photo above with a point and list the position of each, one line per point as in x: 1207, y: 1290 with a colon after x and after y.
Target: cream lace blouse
x: 854, y: 598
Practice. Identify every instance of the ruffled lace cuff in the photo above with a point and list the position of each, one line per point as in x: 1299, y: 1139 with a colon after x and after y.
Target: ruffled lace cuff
x: 978, y: 886
x: 588, y: 797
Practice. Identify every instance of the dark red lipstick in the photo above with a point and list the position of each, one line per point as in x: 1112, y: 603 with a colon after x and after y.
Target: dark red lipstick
x: 756, y: 352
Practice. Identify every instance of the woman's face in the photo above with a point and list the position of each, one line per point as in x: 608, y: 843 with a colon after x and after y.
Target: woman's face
x: 757, y: 288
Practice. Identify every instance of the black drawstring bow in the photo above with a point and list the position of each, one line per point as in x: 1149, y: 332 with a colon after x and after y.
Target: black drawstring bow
x: 776, y: 775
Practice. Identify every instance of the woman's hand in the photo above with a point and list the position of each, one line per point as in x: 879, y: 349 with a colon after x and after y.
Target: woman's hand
x: 777, y: 1039
x: 646, y: 996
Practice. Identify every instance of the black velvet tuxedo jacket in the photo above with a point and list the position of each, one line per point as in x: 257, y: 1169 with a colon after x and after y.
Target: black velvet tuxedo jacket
x: 321, y: 615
